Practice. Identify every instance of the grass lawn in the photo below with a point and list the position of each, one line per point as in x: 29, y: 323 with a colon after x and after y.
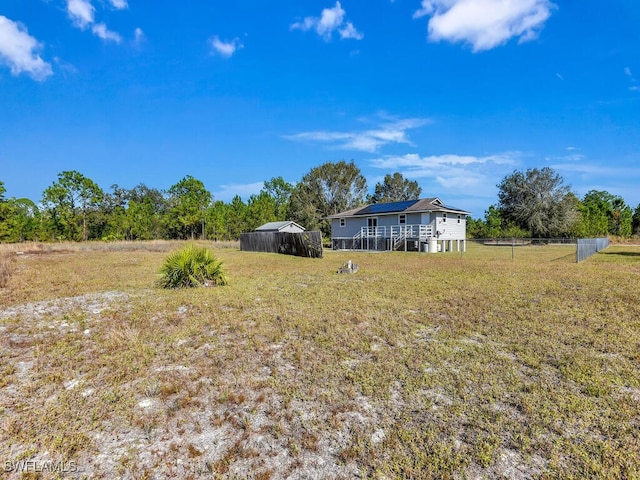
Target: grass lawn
x: 449, y: 365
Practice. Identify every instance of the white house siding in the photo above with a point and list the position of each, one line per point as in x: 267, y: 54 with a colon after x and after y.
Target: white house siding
x: 451, y: 229
x: 292, y: 229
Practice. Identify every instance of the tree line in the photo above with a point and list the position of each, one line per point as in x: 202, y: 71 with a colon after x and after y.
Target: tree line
x: 537, y: 203
x: 75, y: 208
x: 534, y: 203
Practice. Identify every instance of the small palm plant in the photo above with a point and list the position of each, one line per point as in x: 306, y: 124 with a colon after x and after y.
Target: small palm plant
x: 192, y: 266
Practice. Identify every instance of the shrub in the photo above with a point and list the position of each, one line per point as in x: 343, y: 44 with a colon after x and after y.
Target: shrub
x: 192, y: 266
x: 7, y: 266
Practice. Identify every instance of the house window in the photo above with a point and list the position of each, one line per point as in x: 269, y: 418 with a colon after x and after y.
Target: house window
x: 343, y: 222
x: 402, y: 219
x: 459, y: 218
x: 444, y: 218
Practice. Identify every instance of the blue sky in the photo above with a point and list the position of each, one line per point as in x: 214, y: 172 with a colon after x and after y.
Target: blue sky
x: 455, y: 94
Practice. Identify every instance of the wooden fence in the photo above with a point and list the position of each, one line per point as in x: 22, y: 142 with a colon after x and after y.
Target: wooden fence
x: 305, y: 244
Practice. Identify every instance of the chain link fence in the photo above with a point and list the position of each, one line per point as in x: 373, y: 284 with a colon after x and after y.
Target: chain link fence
x: 590, y: 246
x: 584, y: 247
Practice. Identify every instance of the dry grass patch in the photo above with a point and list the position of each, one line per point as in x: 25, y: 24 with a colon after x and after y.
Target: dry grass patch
x: 418, y: 366
x: 7, y: 267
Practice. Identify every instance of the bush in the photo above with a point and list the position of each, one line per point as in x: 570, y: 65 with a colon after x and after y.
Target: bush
x: 192, y: 266
x: 7, y: 266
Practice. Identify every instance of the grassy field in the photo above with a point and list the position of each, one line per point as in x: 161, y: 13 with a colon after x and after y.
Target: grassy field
x: 448, y: 365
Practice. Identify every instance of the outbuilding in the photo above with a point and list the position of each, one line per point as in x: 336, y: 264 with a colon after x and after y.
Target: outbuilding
x: 283, y: 237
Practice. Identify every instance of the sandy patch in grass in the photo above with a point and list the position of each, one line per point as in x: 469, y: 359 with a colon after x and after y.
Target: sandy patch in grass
x: 91, y: 304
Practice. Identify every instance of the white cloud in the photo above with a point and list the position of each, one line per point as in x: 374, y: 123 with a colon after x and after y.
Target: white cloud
x: 65, y: 67
x: 452, y: 171
x: 18, y: 51
x: 224, y: 49
x: 138, y: 36
x: 571, y: 157
x: 393, y: 131
x: 227, y: 192
x: 100, y: 30
x: 119, y: 4
x: 485, y: 24
x: 329, y: 21
x: 634, y: 82
x: 415, y: 161
x: 349, y: 31
x: 81, y: 12
x: 596, y: 170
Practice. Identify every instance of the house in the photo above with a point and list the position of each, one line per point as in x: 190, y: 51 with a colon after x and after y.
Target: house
x: 289, y: 227
x: 425, y: 224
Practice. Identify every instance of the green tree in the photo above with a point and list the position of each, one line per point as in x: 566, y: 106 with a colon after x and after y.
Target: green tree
x: 260, y: 209
x: 492, y: 223
x: 280, y: 192
x: 236, y: 218
x: 602, y: 213
x: 636, y: 221
x: 326, y: 190
x: 217, y: 221
x: 7, y: 213
x: 110, y: 222
x: 24, y: 224
x: 188, y: 200
x: 69, y: 201
x: 475, y: 227
x: 146, y: 210
x: 395, y: 188
x: 537, y: 201
x: 621, y: 223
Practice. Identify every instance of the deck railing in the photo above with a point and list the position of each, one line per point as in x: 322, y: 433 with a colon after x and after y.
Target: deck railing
x: 421, y: 232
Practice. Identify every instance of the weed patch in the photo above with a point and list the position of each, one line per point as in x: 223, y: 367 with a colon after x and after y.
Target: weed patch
x: 7, y: 267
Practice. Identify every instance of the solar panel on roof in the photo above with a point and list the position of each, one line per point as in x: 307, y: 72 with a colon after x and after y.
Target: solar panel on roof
x: 452, y: 208
x: 386, y: 207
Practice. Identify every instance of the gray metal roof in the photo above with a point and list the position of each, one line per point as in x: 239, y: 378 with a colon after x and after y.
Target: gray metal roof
x: 433, y: 204
x: 277, y: 226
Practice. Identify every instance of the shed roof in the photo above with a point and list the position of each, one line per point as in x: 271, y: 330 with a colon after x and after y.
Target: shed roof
x: 278, y: 226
